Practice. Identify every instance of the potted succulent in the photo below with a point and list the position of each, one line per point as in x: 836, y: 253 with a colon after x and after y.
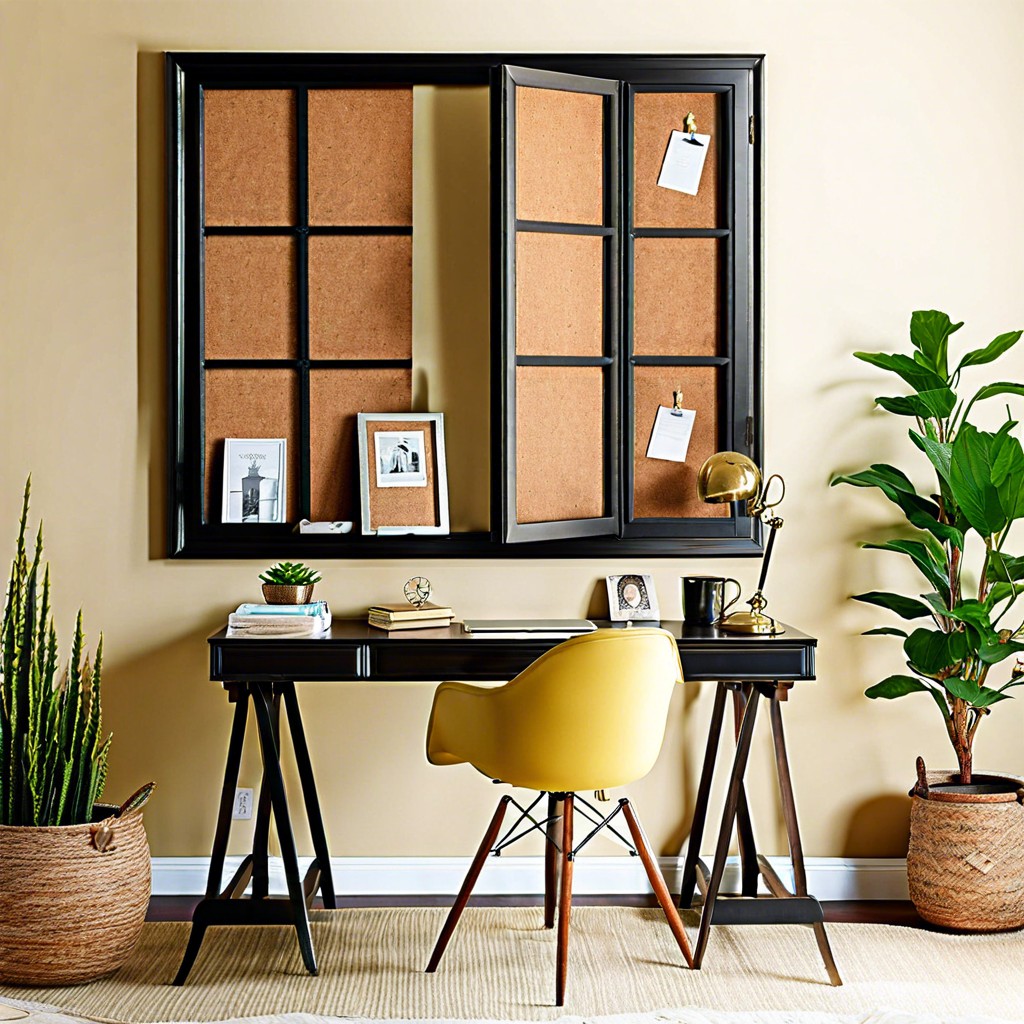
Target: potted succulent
x: 966, y: 856
x: 74, y: 873
x: 289, y: 583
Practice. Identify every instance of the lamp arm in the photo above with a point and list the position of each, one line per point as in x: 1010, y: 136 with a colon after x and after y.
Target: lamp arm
x: 774, y: 525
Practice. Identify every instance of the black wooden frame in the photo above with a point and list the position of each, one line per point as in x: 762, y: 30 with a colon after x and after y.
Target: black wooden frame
x: 187, y: 74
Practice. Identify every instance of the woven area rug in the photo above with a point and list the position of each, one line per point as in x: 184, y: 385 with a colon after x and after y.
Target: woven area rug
x: 500, y: 967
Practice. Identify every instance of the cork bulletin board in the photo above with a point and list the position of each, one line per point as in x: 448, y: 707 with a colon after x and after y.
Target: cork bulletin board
x: 669, y: 489
x: 560, y: 443
x: 655, y: 115
x: 307, y: 278
x: 292, y: 183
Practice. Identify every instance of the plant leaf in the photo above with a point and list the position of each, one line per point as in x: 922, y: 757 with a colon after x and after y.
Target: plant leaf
x: 905, y: 607
x: 929, y: 334
x: 884, y: 631
x: 894, y: 686
x: 970, y: 481
x: 939, y: 453
x: 930, y: 651
x: 920, y: 378
x: 993, y: 350
x: 922, y: 556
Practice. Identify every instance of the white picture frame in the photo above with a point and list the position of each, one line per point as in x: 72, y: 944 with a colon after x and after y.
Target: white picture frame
x: 255, y: 480
x: 632, y: 598
x: 370, y: 468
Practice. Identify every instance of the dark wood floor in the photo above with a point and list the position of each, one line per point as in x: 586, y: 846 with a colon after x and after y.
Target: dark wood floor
x: 179, y: 908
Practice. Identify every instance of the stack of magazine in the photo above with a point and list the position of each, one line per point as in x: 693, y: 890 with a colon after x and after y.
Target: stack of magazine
x: 407, y: 616
x: 280, y: 620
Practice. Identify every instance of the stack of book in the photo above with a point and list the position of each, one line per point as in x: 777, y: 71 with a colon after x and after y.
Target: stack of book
x: 280, y: 620
x: 406, y: 616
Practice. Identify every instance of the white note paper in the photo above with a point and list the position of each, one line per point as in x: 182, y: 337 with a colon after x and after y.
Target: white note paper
x: 670, y: 438
x: 684, y: 161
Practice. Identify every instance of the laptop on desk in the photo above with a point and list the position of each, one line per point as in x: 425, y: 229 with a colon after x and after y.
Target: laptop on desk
x: 528, y: 627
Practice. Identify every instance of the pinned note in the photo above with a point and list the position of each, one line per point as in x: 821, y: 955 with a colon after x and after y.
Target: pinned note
x: 670, y: 438
x: 684, y: 162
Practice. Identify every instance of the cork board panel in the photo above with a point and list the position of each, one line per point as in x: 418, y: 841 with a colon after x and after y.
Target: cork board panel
x: 669, y: 489
x: 360, y: 156
x: 655, y: 115
x: 250, y: 307
x: 360, y: 297
x: 404, y: 506
x: 335, y: 396
x: 559, y: 293
x: 250, y: 403
x: 559, y: 156
x: 249, y: 151
x: 559, y: 443
x: 676, y: 296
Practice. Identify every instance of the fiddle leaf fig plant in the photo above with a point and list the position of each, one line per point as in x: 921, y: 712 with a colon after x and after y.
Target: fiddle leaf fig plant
x: 964, y: 623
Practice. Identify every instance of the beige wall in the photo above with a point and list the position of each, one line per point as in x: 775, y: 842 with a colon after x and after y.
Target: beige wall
x: 893, y: 166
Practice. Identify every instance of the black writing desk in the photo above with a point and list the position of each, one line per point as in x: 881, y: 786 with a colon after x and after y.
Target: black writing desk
x: 265, y: 670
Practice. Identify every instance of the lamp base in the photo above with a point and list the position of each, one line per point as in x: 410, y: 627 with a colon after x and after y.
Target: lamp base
x: 750, y: 622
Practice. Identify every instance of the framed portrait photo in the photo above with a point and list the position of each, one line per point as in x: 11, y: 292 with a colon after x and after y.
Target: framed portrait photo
x: 403, y: 476
x: 632, y: 598
x: 254, y: 480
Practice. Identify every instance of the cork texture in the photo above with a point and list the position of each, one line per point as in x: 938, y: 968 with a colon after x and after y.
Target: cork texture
x: 404, y: 506
x: 360, y: 297
x: 559, y: 293
x: 335, y: 396
x: 655, y: 116
x: 559, y: 443
x: 249, y: 151
x: 669, y: 489
x: 250, y: 403
x: 360, y: 156
x: 676, y: 307
x: 559, y: 156
x: 250, y: 306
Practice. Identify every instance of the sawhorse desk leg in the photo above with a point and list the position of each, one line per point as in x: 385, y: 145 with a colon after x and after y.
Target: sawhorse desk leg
x: 782, y: 906
x: 228, y: 906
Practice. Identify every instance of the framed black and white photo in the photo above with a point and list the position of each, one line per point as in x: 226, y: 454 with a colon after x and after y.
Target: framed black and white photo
x: 632, y: 598
x: 403, y: 476
x: 399, y: 458
x: 254, y: 480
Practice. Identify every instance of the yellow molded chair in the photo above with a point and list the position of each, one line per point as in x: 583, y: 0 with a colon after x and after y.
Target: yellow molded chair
x: 587, y: 715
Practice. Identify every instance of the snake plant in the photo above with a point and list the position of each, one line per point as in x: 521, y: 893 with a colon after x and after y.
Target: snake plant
x: 970, y: 583
x: 53, y: 757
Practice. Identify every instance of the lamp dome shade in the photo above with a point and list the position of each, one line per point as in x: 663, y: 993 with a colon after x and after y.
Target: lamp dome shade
x: 728, y: 476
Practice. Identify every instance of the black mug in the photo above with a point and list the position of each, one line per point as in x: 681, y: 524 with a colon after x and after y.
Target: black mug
x: 704, y: 599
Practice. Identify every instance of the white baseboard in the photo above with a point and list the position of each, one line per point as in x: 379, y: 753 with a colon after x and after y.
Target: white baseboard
x: 828, y: 878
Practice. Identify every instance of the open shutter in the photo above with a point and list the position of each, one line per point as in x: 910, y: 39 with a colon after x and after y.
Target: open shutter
x: 559, y: 305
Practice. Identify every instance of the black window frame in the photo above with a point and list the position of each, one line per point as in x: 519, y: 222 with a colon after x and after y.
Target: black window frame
x: 188, y: 73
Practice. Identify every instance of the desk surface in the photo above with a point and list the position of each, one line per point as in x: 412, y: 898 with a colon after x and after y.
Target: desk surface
x: 352, y: 650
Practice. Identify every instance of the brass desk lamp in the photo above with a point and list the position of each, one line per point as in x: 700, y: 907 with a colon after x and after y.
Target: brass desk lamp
x: 732, y: 476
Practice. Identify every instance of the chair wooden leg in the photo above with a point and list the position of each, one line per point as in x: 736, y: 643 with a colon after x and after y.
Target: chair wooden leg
x: 657, y: 880
x: 565, y: 902
x: 551, y: 860
x: 472, y: 875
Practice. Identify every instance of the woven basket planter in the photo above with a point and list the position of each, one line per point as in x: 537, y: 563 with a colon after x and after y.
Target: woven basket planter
x: 965, y: 865
x: 69, y: 913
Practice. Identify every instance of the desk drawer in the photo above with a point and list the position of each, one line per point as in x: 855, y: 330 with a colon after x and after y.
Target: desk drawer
x: 470, y: 660
x: 268, y: 660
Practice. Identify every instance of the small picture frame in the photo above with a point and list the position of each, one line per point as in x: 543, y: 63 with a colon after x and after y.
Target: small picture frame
x: 632, y: 598
x: 403, y: 476
x: 254, y: 480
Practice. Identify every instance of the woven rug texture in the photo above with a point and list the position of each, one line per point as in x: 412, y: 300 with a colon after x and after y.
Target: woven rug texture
x: 500, y: 967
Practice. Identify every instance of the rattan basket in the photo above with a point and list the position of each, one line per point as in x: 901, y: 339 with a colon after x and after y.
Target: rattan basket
x: 965, y: 865
x: 69, y: 913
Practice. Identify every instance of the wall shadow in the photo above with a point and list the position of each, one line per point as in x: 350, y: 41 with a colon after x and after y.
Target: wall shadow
x: 879, y: 827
